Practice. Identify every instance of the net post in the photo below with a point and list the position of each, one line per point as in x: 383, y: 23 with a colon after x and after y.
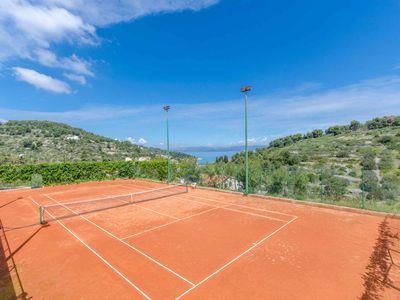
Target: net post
x: 187, y: 186
x: 40, y: 214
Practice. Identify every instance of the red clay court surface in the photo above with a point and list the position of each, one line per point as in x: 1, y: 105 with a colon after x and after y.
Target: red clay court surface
x: 198, y: 245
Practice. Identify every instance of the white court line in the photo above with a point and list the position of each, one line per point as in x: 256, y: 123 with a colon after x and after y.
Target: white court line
x: 125, y: 243
x: 95, y: 253
x: 83, y: 189
x: 239, y: 205
x: 255, y: 215
x: 246, y: 206
x: 236, y: 210
x: 236, y: 258
x: 145, y: 208
x: 232, y: 204
x: 166, y: 224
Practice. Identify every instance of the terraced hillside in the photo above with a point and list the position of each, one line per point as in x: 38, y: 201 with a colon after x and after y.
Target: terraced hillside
x: 343, y: 163
x: 44, y: 141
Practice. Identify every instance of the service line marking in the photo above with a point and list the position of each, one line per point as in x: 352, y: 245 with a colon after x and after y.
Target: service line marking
x: 169, y: 223
x: 95, y: 253
x: 142, y: 207
x: 123, y: 242
x: 236, y: 258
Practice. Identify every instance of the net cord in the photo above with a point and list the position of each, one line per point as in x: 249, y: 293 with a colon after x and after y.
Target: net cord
x: 131, y: 195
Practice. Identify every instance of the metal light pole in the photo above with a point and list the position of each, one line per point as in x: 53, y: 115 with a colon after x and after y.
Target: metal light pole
x: 167, y: 108
x: 245, y: 90
x: 362, y: 189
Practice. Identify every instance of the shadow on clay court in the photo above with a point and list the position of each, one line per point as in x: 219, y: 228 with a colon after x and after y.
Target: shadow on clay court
x: 381, y: 264
x: 12, y: 201
x: 10, y: 282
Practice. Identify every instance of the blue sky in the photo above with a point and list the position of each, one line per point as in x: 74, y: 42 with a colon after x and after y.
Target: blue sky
x: 110, y: 67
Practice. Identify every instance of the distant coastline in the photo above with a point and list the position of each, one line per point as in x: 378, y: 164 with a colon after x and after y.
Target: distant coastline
x: 209, y: 154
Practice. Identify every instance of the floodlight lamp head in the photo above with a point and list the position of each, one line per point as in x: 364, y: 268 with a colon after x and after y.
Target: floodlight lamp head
x: 167, y: 107
x: 245, y: 89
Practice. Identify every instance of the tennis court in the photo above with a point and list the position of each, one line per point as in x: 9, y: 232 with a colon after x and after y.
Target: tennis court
x: 135, y: 239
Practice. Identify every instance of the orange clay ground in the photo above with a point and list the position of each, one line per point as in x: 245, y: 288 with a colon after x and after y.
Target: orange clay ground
x: 198, y: 245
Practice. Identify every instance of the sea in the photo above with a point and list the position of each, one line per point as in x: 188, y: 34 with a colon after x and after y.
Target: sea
x: 209, y: 156
x: 204, y: 157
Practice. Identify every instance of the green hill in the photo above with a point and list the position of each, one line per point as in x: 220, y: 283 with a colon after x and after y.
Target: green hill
x: 337, y: 164
x: 44, y: 141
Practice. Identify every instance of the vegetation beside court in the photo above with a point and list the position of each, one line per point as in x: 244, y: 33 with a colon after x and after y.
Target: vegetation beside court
x: 342, y: 165
x: 72, y: 172
x: 356, y: 165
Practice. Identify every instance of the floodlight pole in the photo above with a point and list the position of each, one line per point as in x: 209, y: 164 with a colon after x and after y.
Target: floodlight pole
x: 245, y: 90
x: 167, y: 108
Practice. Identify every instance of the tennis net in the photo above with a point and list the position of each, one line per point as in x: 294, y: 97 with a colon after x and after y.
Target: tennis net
x: 69, y: 209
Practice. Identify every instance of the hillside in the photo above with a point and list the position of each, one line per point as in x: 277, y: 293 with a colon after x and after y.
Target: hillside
x: 44, y: 141
x: 334, y: 164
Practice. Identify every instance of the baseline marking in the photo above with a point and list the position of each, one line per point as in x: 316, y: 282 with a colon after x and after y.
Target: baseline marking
x: 95, y: 253
x: 236, y: 258
x: 211, y: 199
x: 231, y: 209
x: 84, y: 188
x: 236, y: 210
x: 245, y: 206
x: 123, y: 242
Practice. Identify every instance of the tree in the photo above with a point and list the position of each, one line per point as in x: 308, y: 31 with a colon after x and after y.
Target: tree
x: 278, y: 181
x: 371, y: 182
x: 355, y: 125
x: 368, y: 161
x: 337, y: 130
x: 317, y: 133
x: 335, y: 187
x: 300, y: 180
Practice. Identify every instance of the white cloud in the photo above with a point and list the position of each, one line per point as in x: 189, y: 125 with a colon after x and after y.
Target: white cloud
x: 131, y: 140
x: 72, y: 63
x: 104, y: 13
x: 41, y: 81
x: 77, y: 78
x: 31, y: 29
x: 140, y: 141
x: 262, y: 140
x: 85, y: 114
x: 270, y: 115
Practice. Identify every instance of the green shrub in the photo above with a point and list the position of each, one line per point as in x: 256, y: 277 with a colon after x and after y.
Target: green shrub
x: 387, y: 161
x: 342, y: 154
x: 371, y: 181
x: 36, y: 181
x: 61, y: 173
x: 386, y: 139
x: 368, y: 161
x: 334, y: 187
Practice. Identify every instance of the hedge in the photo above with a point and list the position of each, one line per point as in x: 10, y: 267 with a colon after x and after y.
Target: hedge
x: 72, y: 172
